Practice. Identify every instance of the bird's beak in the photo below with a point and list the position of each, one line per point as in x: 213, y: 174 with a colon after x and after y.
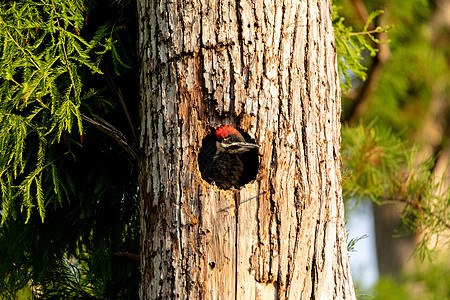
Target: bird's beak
x: 240, y: 147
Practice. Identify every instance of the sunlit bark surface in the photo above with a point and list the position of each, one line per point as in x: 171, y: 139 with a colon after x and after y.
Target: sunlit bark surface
x: 268, y: 67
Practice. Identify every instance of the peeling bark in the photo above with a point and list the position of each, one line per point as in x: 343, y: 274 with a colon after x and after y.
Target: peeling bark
x: 269, y: 68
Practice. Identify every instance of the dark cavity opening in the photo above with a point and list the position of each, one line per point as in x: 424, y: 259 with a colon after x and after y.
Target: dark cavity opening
x: 227, y: 169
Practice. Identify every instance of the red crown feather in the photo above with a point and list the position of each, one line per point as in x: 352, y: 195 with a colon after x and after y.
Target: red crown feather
x: 225, y: 130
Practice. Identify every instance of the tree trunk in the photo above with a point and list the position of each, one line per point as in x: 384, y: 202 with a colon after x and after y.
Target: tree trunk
x: 270, y: 69
x: 393, y: 252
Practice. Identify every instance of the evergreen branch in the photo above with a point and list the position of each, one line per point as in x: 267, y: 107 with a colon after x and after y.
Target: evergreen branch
x: 427, y: 212
x: 113, y: 132
x: 64, y: 49
x: 361, y: 102
x: 362, y: 99
x: 18, y: 46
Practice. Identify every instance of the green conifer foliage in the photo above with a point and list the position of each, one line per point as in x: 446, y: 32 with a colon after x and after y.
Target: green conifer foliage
x: 68, y: 190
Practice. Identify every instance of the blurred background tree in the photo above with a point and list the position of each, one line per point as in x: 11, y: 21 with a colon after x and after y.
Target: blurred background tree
x: 395, y: 141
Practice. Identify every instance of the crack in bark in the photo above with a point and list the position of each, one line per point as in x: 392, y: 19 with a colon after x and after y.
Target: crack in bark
x: 274, y: 211
x: 324, y: 238
x: 314, y: 269
x: 181, y: 10
x: 241, y: 40
x: 304, y: 112
x: 232, y: 82
x: 178, y: 203
x: 237, y: 197
x: 290, y: 92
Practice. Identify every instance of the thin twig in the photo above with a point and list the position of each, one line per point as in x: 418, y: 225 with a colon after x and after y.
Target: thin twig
x: 363, y: 32
x: 118, y: 93
x: 113, y: 132
x: 128, y: 255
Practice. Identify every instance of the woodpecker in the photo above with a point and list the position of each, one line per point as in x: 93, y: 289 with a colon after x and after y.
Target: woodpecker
x: 223, y: 158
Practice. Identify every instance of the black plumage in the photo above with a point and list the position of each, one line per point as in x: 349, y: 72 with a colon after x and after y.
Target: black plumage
x: 227, y: 159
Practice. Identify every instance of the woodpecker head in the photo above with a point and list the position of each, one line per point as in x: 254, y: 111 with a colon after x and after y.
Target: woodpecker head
x: 229, y: 139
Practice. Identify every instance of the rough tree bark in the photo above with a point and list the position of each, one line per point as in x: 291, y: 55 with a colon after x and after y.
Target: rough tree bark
x: 268, y: 67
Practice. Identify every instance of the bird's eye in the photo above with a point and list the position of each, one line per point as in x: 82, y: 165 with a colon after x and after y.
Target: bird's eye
x: 233, y: 147
x: 230, y: 138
